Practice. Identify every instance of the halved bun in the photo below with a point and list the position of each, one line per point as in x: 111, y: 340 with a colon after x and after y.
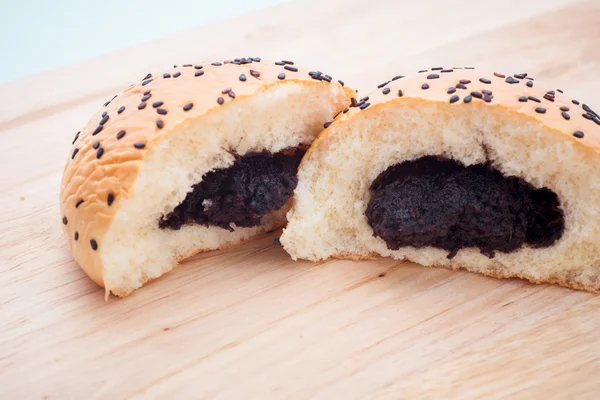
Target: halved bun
x: 138, y: 157
x: 500, y: 127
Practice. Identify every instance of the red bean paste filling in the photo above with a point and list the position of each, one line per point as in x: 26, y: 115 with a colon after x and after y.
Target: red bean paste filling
x: 438, y: 202
x: 256, y: 184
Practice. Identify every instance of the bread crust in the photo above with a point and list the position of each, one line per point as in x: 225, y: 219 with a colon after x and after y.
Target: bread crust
x: 106, y: 155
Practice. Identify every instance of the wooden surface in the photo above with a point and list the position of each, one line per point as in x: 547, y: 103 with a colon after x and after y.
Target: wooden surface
x: 248, y: 322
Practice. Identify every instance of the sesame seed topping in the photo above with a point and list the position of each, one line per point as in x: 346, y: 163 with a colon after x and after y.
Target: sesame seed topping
x: 157, y: 104
x: 254, y: 73
x: 523, y: 99
x: 564, y: 108
x: 161, y: 111
x: 199, y: 73
x: 465, y: 81
x: 461, y: 86
x: 287, y: 62
x: 99, y: 152
x: 421, y: 71
x: 534, y: 99
x: 588, y: 109
x: 578, y: 134
x: 198, y: 66
x: 121, y: 109
x: 187, y: 65
x: 146, y: 97
x: 511, y: 80
x: 76, y: 137
x: 290, y: 68
x: 437, y: 68
x: 433, y: 76
x: 146, y: 82
x: 120, y: 135
x: 96, y: 145
x: 454, y: 99
x: 166, y: 75
x: 74, y: 153
x: 487, y: 98
x: 110, y: 199
x: 486, y: 91
x: 353, y: 102
x: 424, y: 86
x: 76, y: 237
x: 447, y: 70
x: 80, y: 202
x: 281, y: 76
x: 139, y: 145
x: 364, y: 105
x: 147, y: 77
x: 216, y: 64
x: 188, y: 107
x: 469, y: 67
x: 142, y: 105
x: 520, y: 76
x: 400, y: 93
x: 540, y: 110
x: 558, y: 90
x: 226, y: 90
x: 279, y: 63
x: 397, y: 77
x: 160, y: 124
x: 484, y: 80
x: 326, y: 124
x: 499, y: 75
x: 94, y: 244
x: 65, y: 221
x: 382, y: 84
x: 341, y: 82
x: 243, y: 78
x: 366, y: 98
x: 104, y: 114
x: 97, y: 130
x: 575, y: 102
x: 177, y: 74
x: 587, y: 116
x: 220, y: 100
x: 231, y: 94
x: 257, y: 59
x: 468, y: 99
x: 326, y: 78
x: 104, y: 120
x: 451, y: 90
x: 386, y: 90
x: 477, y: 95
x: 565, y: 115
x: 529, y: 83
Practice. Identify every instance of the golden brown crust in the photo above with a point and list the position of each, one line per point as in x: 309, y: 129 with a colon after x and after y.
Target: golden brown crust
x: 106, y: 155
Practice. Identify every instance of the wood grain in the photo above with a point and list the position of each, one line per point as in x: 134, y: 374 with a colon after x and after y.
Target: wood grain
x: 248, y: 322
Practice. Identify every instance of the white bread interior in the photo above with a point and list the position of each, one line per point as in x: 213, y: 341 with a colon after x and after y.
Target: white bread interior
x: 328, y: 219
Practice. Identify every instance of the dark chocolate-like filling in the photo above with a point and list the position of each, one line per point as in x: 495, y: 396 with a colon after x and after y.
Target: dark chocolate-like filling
x: 256, y: 184
x: 438, y: 202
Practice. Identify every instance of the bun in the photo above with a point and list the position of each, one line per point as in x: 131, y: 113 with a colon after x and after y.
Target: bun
x: 139, y: 156
x: 457, y: 168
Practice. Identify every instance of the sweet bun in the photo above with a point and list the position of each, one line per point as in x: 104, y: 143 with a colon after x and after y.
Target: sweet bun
x: 194, y: 158
x: 457, y: 168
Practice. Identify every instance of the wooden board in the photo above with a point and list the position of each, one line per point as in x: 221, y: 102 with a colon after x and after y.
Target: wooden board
x: 248, y: 322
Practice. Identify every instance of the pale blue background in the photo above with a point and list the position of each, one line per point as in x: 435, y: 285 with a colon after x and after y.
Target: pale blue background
x: 39, y: 35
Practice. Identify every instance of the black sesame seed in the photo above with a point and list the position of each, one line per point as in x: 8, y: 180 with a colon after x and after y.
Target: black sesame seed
x: 279, y: 63
x: 486, y: 91
x: 97, y: 130
x: 199, y: 73
x: 454, y: 99
x: 146, y: 82
x: 157, y: 104
x: 257, y: 59
x: 139, y: 145
x: 161, y: 111
x: 76, y: 137
x: 451, y: 90
x: 400, y: 93
x: 147, y: 77
x: 187, y: 65
x: 520, y: 76
x: 120, y: 134
x: 437, y: 68
x: 447, y: 70
x: 549, y: 97
x: 166, y: 75
x: 104, y: 114
x: 382, y: 84
x: 575, y: 102
x: 433, y: 76
x: 177, y: 74
x: 107, y: 103
x: 142, y: 105
x: 366, y: 98
x: 281, y: 76
x: 290, y: 68
x: 386, y: 90
x: 397, y: 77
x: 80, y: 202
x: 477, y: 95
x: 216, y: 64
x: 560, y: 91
x: 104, y: 120
x: 254, y: 73
x: 220, y: 100
x: 198, y: 66
x: 99, y: 152
x: 74, y: 153
x: 341, y: 82
x: 529, y: 83
x: 587, y: 116
x: 596, y: 120
x: 565, y: 115
x: 522, y: 99
x: 96, y: 145
x: 231, y: 94
x: 534, y: 99
x: 424, y: 86
x: 94, y: 244
x: 160, y: 124
x: 469, y: 67
x: 287, y: 62
x: 353, y: 102
x: 468, y: 99
x: 364, y: 105
x: 461, y: 86
x: 327, y: 78
x: 540, y: 110
x: 121, y: 109
x: 76, y: 237
x: 588, y: 109
x: 65, y: 221
x: 243, y: 78
x: 465, y: 81
x: 511, y: 80
x: 188, y: 107
x: 499, y: 75
x: 551, y: 92
x: 564, y: 108
x: 484, y: 80
x: 421, y: 71
x: 110, y: 199
x: 326, y: 124
x: 487, y: 98
x: 578, y: 134
x: 146, y: 97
